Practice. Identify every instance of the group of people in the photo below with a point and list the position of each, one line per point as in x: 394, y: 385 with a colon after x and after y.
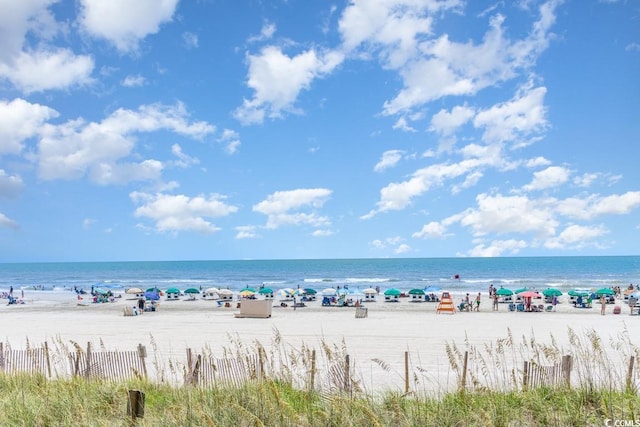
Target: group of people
x: 467, y: 305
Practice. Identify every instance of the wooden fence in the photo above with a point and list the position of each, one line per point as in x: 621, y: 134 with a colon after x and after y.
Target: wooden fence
x: 90, y: 364
x: 206, y: 370
x: 558, y: 374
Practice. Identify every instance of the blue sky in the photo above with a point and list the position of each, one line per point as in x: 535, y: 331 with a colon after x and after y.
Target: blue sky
x: 250, y: 129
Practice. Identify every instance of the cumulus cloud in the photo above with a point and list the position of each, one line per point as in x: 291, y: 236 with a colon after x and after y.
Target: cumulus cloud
x: 246, y: 232
x: 134, y: 81
x: 20, y: 120
x: 389, y: 159
x: 28, y: 59
x: 276, y: 80
x: 295, y: 207
x: 498, y: 248
x: 550, y: 177
x: 76, y: 148
x: 7, y: 222
x: 177, y: 213
x: 124, y: 23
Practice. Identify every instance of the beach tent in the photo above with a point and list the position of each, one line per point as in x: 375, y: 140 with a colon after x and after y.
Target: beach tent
x: 225, y: 294
x: 370, y: 294
x: 266, y: 292
x: 172, y: 293
x: 417, y: 295
x: 392, y: 295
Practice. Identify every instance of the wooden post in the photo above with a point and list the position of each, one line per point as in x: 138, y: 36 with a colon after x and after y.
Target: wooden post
x: 313, y: 370
x: 630, y: 373
x: 142, y: 354
x: 406, y: 372
x: 2, y: 361
x: 88, y: 370
x: 261, y: 357
x: 463, y: 380
x: 46, y: 355
x: 196, y: 371
x: 189, y: 378
x: 525, y: 375
x: 566, y: 370
x: 347, y: 375
x: 135, y: 404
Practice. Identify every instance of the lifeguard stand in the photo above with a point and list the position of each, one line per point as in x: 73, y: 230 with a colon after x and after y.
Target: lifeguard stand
x: 446, y: 304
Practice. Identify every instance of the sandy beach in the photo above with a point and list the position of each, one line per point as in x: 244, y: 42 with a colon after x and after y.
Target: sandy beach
x: 386, y: 334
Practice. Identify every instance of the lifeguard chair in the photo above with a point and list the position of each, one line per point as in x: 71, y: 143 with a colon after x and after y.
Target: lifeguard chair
x: 446, y: 304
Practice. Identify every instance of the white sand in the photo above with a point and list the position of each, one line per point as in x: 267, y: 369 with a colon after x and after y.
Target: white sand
x: 389, y: 330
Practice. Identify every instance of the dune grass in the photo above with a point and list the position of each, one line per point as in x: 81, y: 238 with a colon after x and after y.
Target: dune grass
x: 600, y: 390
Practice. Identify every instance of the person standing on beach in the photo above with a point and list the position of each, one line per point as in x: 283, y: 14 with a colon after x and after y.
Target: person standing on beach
x: 554, y: 302
x: 603, y: 304
x: 495, y: 301
x: 477, y: 307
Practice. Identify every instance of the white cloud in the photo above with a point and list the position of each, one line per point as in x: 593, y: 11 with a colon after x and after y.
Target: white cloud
x: 576, y: 236
x: 389, y: 159
x: 7, y: 222
x: 42, y: 70
x: 20, y: 120
x: 246, y: 232
x: 75, y: 148
x: 322, y: 233
x: 184, y: 160
x: 175, y: 213
x: 403, y: 125
x: 266, y: 33
x: 553, y: 176
x: 277, y: 79
x: 498, y: 248
x: 124, y: 23
x: 281, y: 207
x: 10, y: 185
x: 134, y: 81
x: 432, y: 230
x: 446, y: 123
x: 516, y: 119
x: 402, y: 249
x: 231, y: 140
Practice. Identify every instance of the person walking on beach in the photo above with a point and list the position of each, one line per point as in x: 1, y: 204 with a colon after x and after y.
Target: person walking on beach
x: 477, y: 307
x: 603, y: 304
x: 495, y: 301
x: 554, y: 302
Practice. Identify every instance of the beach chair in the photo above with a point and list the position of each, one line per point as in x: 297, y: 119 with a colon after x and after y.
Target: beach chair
x: 512, y: 307
x: 549, y: 308
x: 520, y: 307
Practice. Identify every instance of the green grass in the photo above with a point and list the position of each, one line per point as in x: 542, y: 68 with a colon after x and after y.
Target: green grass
x: 35, y: 401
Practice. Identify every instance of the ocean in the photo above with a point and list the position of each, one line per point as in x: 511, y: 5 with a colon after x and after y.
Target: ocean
x: 453, y: 274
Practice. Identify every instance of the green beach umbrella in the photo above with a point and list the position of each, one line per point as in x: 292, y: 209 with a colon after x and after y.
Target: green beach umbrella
x: 521, y: 290
x: 191, y: 291
x: 173, y: 291
x: 576, y: 293
x: 605, y: 291
x: 416, y: 292
x: 265, y: 291
x: 552, y: 292
x: 310, y: 291
x: 393, y: 292
x: 504, y: 292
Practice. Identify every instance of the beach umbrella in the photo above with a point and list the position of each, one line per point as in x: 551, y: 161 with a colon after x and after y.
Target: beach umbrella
x: 504, y: 292
x: 605, y: 291
x: 552, y: 292
x: 151, y: 296
x: 416, y: 292
x: 173, y: 291
x: 263, y: 291
x: 100, y: 291
x: 191, y: 291
x: 329, y: 292
x: 299, y: 292
x: 577, y: 293
x: 310, y: 291
x: 635, y: 295
x: 432, y: 289
x: 133, y: 291
x: 154, y: 289
x: 369, y: 291
x: 285, y: 293
x: 521, y: 290
x: 248, y: 289
x: 393, y: 292
x: 246, y: 292
x: 529, y: 294
x: 211, y: 291
x: 225, y: 292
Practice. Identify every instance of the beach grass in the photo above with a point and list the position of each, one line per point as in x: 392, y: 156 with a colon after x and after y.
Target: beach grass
x: 493, y: 395
x: 35, y: 401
